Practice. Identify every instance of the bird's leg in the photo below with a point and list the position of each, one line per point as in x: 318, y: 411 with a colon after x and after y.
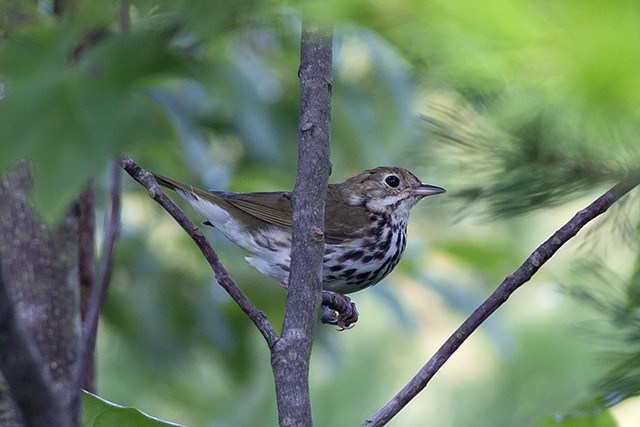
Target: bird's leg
x: 339, y: 310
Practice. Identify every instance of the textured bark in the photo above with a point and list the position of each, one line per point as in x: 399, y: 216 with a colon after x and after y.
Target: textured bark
x: 291, y: 354
x: 40, y: 331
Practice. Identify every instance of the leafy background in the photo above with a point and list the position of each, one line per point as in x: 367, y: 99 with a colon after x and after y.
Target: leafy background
x: 524, y: 110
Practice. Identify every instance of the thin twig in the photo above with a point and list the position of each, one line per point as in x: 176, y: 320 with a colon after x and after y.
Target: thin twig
x: 124, y: 18
x: 86, y: 246
x: 99, y: 289
x: 112, y: 232
x: 512, y: 282
x: 222, y: 276
x: 85, y: 374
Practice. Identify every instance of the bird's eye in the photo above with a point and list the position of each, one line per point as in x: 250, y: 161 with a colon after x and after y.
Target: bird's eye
x: 392, y: 181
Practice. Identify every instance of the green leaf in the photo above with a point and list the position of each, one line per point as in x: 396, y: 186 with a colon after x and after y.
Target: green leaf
x: 602, y: 419
x: 99, y: 412
x: 70, y: 113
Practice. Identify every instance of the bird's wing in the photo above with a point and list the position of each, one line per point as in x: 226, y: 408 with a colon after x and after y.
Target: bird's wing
x: 343, y: 222
x: 273, y: 208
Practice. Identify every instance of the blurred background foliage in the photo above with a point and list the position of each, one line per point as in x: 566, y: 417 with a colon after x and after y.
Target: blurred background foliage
x: 524, y: 110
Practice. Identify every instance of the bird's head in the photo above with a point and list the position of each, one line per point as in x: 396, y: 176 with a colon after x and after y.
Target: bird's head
x: 387, y: 188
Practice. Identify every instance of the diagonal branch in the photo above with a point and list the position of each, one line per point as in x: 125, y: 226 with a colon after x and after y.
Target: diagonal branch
x: 508, y: 286
x: 222, y: 276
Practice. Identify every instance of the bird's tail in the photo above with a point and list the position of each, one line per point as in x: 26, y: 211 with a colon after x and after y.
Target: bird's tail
x: 185, y: 190
x: 169, y: 183
x: 200, y: 200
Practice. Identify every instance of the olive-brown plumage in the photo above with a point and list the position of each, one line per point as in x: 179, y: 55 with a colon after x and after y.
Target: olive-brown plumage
x: 365, y: 225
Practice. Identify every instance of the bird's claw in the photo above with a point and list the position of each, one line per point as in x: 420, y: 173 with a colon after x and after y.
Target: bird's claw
x: 338, y: 310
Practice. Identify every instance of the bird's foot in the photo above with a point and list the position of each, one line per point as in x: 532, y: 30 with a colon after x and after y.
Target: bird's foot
x: 338, y: 310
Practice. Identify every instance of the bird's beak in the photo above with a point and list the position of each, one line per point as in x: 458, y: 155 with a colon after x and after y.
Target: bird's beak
x: 424, y: 190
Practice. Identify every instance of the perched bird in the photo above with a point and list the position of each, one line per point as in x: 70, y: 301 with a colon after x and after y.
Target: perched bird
x: 365, y: 225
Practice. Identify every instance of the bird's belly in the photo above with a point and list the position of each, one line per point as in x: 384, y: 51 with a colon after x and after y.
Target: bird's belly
x: 353, y: 268
x: 276, y: 267
x: 271, y: 251
x: 346, y: 268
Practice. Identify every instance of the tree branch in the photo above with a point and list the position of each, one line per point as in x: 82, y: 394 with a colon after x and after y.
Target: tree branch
x: 290, y: 357
x: 98, y: 290
x: 221, y: 274
x: 509, y: 285
x: 124, y: 17
x: 86, y: 246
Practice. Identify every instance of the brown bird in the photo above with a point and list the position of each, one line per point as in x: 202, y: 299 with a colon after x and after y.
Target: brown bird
x: 365, y: 225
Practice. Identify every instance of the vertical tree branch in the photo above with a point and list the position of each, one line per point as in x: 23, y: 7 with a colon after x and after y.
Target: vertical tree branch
x: 508, y: 286
x: 87, y: 268
x: 98, y: 292
x: 124, y: 18
x: 86, y: 246
x: 291, y: 354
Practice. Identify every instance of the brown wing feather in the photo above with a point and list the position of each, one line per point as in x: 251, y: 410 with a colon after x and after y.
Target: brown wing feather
x: 343, y: 222
x: 272, y: 208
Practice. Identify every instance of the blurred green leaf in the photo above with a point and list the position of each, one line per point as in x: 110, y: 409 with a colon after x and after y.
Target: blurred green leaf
x: 613, y: 296
x: 70, y: 118
x: 374, y: 101
x: 494, y: 259
x: 602, y: 419
x: 14, y: 14
x: 98, y: 412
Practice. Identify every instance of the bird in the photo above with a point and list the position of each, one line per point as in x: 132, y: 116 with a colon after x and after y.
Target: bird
x: 365, y: 225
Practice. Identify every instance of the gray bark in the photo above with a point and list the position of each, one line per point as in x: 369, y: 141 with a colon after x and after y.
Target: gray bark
x: 39, y: 312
